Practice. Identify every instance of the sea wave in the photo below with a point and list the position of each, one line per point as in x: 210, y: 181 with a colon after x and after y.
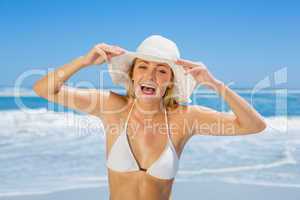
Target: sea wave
x: 49, y: 151
x: 23, y: 91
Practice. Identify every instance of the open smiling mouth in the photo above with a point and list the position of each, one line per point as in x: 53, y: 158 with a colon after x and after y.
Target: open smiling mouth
x: 148, y: 89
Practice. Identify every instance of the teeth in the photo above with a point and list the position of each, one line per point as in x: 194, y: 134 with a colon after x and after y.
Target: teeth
x: 149, y: 86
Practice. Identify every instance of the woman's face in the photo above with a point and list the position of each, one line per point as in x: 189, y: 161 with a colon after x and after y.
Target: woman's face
x: 150, y: 79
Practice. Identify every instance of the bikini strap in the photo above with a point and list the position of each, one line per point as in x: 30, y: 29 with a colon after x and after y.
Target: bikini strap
x: 167, y: 123
x: 169, y: 132
x: 127, y: 119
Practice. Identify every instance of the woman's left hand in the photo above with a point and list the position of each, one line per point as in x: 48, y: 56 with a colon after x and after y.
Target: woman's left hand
x: 200, y: 73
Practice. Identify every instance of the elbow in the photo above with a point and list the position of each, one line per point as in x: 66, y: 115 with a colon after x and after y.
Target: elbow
x: 260, y: 126
x: 38, y: 89
x: 35, y: 88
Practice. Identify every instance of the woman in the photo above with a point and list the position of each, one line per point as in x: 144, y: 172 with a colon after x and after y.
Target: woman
x: 152, y: 126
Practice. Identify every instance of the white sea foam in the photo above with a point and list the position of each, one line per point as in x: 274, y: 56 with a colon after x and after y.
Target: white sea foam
x: 49, y: 191
x: 72, y: 146
x: 262, y: 183
x: 40, y: 121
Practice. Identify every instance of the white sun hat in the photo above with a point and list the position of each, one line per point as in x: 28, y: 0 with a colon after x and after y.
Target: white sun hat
x: 158, y: 49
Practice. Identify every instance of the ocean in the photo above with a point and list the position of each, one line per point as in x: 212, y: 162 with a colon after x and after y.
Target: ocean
x: 45, y: 147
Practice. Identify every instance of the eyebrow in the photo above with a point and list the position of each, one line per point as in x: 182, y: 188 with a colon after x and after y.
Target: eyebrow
x: 159, y: 64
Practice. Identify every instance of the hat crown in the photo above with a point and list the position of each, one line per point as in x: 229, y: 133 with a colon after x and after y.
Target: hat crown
x: 159, y: 46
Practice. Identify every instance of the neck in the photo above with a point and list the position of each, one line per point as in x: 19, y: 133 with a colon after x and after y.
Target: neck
x: 148, y: 109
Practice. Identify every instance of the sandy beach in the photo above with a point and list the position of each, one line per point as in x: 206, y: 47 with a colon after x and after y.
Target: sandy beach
x: 183, y: 190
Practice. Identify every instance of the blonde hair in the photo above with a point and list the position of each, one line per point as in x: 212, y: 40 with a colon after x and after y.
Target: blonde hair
x: 168, y: 98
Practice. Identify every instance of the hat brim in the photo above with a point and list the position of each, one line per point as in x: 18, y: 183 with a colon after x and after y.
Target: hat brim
x: 119, y: 67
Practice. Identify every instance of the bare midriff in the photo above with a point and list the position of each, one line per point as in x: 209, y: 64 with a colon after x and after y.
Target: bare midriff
x: 138, y: 185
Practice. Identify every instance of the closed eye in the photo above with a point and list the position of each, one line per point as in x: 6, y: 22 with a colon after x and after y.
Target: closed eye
x: 162, y: 71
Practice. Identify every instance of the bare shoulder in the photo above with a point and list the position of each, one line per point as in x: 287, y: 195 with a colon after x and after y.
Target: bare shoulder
x: 187, y: 111
x: 200, y: 108
x: 179, y: 123
x: 186, y: 116
x: 116, y: 99
x: 198, y: 115
x: 114, y: 114
x: 115, y: 104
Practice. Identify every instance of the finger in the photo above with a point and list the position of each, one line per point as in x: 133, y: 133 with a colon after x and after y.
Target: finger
x: 111, y: 50
x: 115, y: 50
x: 183, y: 62
x: 99, y: 60
x: 109, y: 56
x: 186, y: 67
x: 107, y: 48
x: 102, y: 53
x: 119, y: 49
x: 116, y: 53
x: 193, y: 70
x: 201, y: 67
x: 188, y: 63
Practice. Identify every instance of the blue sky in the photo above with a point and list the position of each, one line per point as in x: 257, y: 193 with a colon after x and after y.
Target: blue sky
x: 240, y: 42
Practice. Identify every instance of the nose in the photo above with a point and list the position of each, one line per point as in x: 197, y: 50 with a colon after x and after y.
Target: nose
x: 150, y: 74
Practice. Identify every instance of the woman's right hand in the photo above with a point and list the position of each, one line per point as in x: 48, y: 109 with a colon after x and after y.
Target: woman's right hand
x: 100, y: 53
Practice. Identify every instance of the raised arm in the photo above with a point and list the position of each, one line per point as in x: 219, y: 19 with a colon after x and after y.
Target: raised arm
x: 244, y: 120
x: 52, y: 86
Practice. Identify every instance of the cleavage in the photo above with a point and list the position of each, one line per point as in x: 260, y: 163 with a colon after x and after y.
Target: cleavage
x: 146, y: 147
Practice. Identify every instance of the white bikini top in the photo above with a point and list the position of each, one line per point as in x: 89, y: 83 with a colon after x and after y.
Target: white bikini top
x: 121, y: 158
